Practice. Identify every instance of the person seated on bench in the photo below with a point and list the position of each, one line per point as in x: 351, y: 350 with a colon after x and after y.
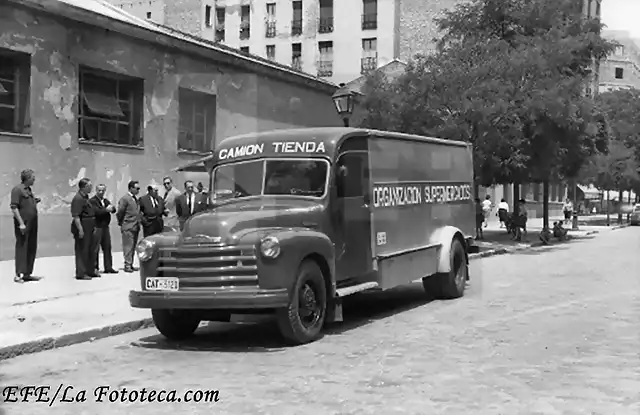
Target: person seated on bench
x: 559, y: 231
x: 545, y: 236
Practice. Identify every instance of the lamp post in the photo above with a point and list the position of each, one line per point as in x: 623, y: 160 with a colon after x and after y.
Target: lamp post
x: 344, y: 100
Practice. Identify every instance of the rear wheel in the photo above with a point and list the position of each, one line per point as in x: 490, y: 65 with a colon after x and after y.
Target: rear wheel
x: 175, y: 324
x: 301, y: 322
x: 449, y: 285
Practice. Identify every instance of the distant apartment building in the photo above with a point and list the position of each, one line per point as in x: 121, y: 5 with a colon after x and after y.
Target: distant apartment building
x: 335, y: 39
x: 621, y: 70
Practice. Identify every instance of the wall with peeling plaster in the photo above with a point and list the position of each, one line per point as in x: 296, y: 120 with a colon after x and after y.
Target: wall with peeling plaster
x: 246, y: 102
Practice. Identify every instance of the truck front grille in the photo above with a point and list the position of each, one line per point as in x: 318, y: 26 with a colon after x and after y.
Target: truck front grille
x: 206, y: 266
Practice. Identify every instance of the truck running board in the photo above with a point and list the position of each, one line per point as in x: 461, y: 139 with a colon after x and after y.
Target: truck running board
x: 346, y: 291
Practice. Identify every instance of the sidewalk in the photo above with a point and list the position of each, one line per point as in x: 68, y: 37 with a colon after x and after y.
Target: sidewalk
x: 59, y: 309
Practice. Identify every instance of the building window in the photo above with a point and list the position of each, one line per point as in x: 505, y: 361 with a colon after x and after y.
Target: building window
x: 296, y: 56
x: 15, y: 87
x: 208, y: 21
x: 619, y: 50
x: 325, y: 63
x: 110, y: 109
x: 370, y: 14
x: 271, y: 52
x: 326, y: 16
x: 296, y: 22
x: 245, y: 22
x: 220, y: 19
x: 270, y: 22
x: 148, y: 15
x: 197, y: 120
x: 369, y: 60
x: 244, y: 49
x: 619, y: 73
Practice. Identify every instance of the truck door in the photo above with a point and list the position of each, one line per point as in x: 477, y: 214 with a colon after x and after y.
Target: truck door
x: 353, y: 199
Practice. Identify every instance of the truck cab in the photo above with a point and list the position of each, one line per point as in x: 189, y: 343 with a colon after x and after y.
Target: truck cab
x: 299, y: 219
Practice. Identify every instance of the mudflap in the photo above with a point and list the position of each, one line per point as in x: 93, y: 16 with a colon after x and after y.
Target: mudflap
x: 334, y: 311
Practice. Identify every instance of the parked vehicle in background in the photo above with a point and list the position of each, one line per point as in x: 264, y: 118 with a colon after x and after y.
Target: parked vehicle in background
x: 634, y: 219
x: 300, y: 219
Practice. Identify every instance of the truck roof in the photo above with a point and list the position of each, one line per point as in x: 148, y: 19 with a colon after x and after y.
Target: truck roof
x: 298, y: 142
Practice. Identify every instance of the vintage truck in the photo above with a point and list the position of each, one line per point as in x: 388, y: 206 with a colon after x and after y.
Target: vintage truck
x: 301, y: 218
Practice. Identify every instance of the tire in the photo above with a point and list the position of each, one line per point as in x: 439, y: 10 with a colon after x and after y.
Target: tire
x: 299, y: 324
x: 175, y: 324
x: 450, y: 285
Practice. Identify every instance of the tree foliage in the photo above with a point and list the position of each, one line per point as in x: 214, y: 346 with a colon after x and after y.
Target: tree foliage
x: 508, y: 77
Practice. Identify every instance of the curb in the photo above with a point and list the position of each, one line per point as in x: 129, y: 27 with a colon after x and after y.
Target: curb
x: 55, y: 342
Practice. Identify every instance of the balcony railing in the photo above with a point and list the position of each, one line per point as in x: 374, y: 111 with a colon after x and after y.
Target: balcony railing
x: 296, y: 63
x: 368, y: 64
x: 270, y: 29
x: 296, y: 27
x: 325, y: 25
x: 325, y: 68
x: 245, y: 30
x: 369, y: 21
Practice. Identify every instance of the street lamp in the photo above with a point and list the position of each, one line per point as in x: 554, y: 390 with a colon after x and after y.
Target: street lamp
x: 344, y: 100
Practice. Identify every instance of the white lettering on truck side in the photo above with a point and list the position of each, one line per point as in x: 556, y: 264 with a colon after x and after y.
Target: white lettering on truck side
x: 298, y: 147
x: 390, y: 195
x: 241, y: 151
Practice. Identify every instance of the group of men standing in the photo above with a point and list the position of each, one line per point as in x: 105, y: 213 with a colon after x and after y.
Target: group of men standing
x: 91, y: 218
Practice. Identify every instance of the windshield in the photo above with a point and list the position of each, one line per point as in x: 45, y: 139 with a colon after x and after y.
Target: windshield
x: 302, y: 177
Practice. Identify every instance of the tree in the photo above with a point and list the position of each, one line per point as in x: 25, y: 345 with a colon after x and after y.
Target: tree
x: 509, y: 78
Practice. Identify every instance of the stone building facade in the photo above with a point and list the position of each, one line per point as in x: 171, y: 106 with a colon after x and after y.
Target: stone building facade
x: 98, y: 93
x: 621, y: 70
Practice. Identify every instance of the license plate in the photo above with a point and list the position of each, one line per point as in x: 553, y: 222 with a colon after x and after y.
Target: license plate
x: 162, y: 284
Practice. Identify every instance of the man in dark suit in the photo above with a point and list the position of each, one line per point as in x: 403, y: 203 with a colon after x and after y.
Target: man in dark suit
x: 83, y: 231
x: 189, y: 203
x: 103, y: 210
x: 128, y: 215
x: 151, y: 211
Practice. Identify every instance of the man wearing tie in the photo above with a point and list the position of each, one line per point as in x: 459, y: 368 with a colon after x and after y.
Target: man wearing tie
x: 103, y: 210
x: 189, y: 203
x: 151, y: 210
x: 171, y: 194
x: 128, y: 216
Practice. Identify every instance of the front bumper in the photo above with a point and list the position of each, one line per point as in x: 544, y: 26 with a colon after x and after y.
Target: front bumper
x: 210, y: 300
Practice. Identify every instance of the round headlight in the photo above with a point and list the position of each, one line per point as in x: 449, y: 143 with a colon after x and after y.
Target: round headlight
x: 270, y: 247
x: 144, y: 250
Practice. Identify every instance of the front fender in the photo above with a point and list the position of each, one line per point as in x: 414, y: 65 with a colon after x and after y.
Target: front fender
x: 296, y: 245
x: 444, y: 237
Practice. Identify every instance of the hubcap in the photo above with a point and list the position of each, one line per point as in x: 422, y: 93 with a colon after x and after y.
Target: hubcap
x: 308, y: 306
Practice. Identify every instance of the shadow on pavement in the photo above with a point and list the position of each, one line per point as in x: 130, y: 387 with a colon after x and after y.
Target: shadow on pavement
x: 263, y: 337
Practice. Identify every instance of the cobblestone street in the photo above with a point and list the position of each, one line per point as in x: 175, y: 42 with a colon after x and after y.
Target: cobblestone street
x: 547, y: 331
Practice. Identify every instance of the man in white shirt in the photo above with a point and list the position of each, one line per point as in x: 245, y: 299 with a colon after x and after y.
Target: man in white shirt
x: 189, y: 203
x: 486, y: 209
x: 503, y: 211
x: 170, y: 196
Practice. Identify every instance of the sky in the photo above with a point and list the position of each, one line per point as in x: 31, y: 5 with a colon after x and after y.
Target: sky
x: 622, y: 15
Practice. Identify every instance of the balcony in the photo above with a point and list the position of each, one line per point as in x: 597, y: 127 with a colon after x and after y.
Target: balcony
x: 325, y: 25
x: 296, y: 27
x: 296, y: 63
x: 368, y: 64
x: 369, y: 21
x: 270, y: 28
x: 245, y: 30
x: 325, y: 68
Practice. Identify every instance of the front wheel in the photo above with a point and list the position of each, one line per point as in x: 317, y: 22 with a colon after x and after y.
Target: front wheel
x: 450, y: 285
x: 301, y: 322
x: 175, y: 324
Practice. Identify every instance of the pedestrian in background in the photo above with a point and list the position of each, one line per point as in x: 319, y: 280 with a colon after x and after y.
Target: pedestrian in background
x: 83, y: 231
x: 151, y: 212
x: 103, y: 211
x: 567, y: 209
x: 503, y: 212
x: 25, y: 226
x: 171, y: 194
x: 486, y: 209
x: 479, y: 219
x: 521, y: 221
x: 128, y: 216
